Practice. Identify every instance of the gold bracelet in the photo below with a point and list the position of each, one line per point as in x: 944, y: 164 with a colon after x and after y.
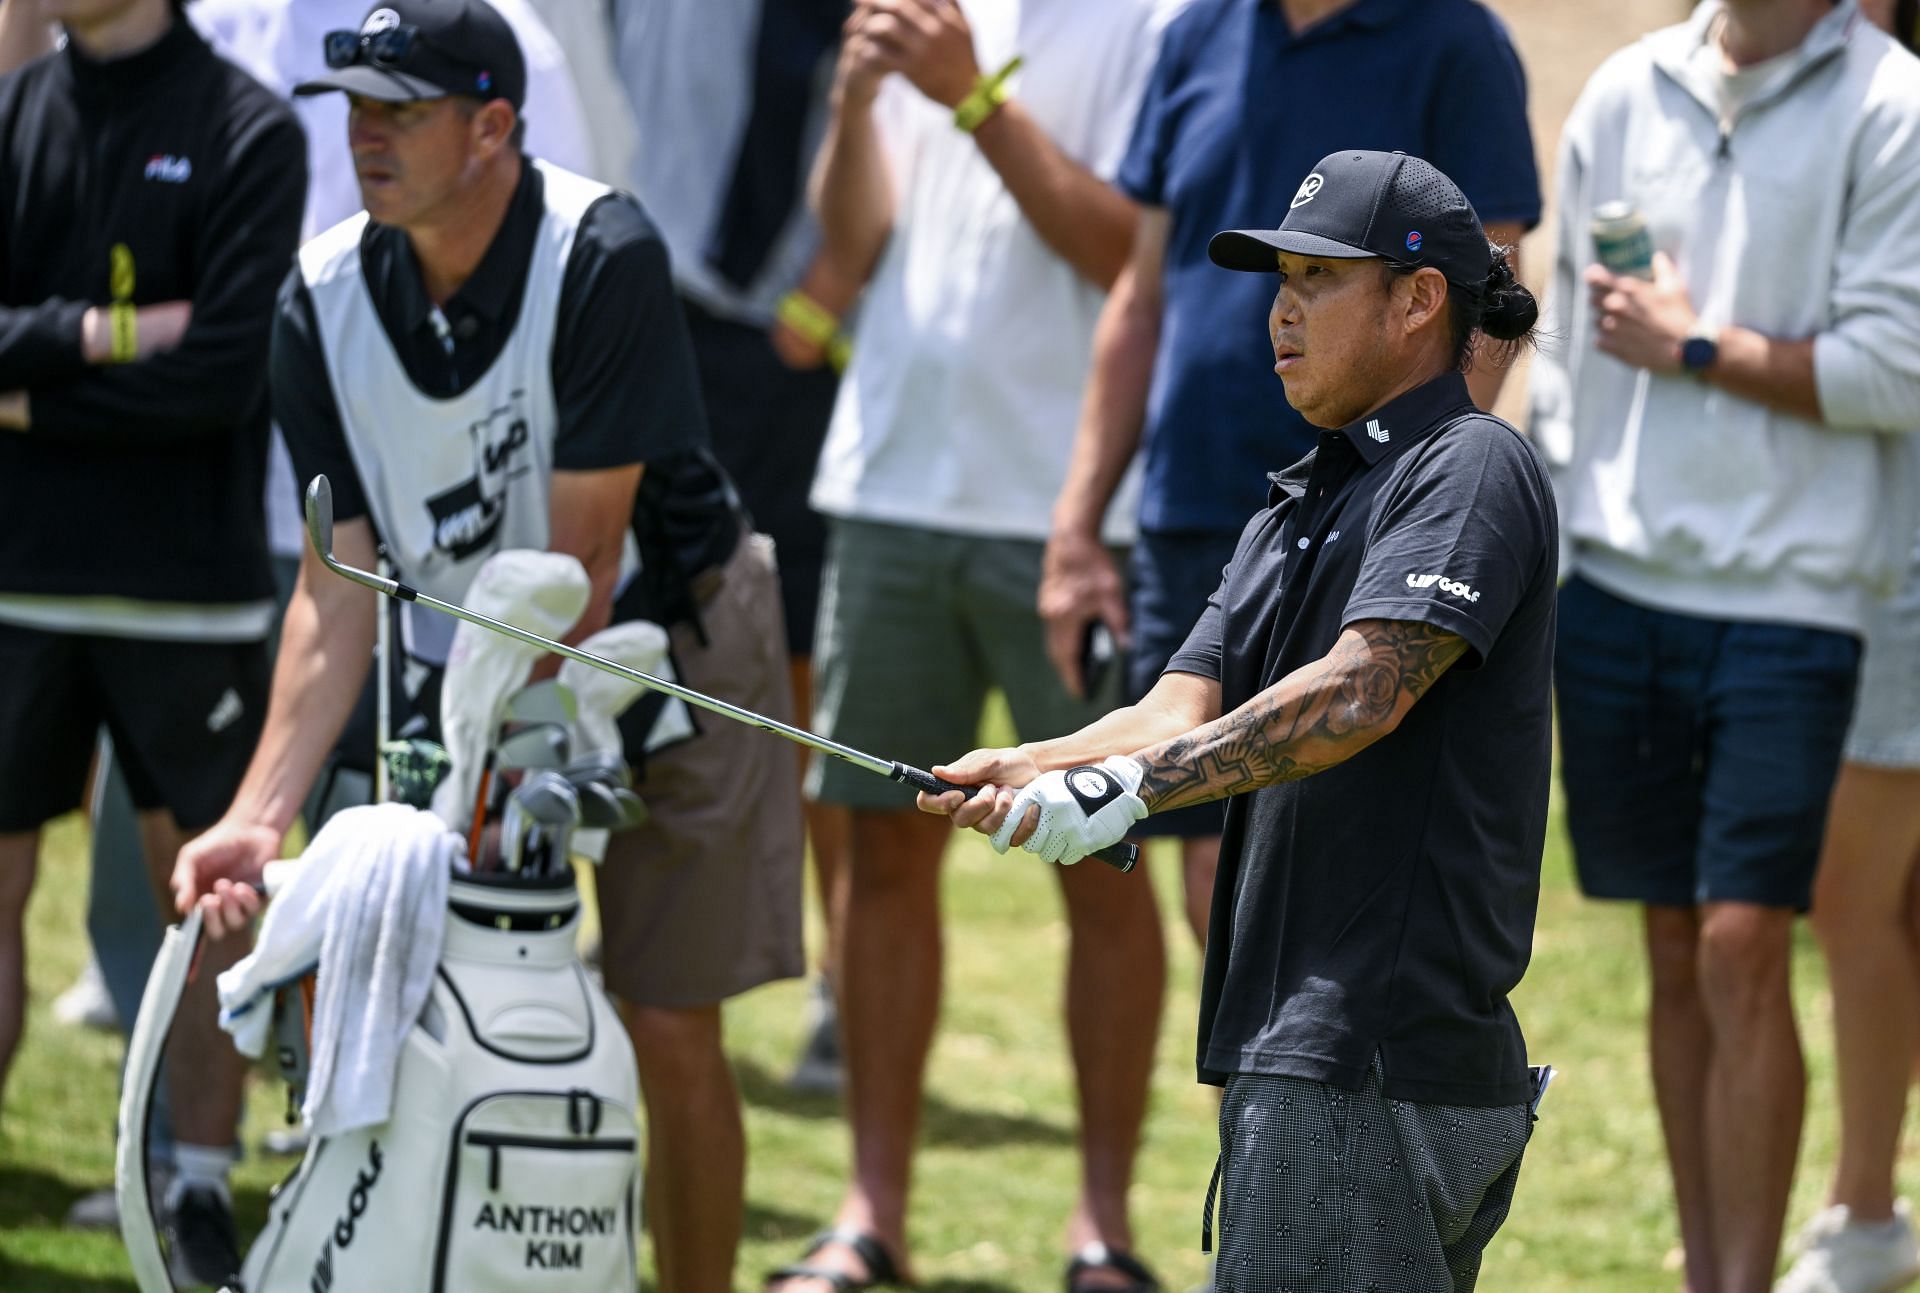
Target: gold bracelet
x: 124, y: 328
x: 986, y: 98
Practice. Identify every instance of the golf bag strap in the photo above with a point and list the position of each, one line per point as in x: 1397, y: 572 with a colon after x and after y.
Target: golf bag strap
x: 145, y: 1049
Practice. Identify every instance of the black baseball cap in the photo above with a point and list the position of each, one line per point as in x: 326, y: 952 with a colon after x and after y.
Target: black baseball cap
x: 425, y: 49
x: 1364, y: 204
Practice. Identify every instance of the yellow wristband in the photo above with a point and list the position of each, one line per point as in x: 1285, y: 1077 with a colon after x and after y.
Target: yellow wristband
x: 989, y: 92
x: 807, y: 317
x: 124, y: 330
x: 816, y: 324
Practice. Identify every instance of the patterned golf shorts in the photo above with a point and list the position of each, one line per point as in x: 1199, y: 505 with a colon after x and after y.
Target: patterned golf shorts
x: 1323, y: 1190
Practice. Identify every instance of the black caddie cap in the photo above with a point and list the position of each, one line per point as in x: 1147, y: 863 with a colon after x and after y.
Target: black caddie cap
x: 438, y: 48
x: 1360, y: 204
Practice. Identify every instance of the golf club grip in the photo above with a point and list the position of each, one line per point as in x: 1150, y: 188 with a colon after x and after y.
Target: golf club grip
x: 1121, y: 856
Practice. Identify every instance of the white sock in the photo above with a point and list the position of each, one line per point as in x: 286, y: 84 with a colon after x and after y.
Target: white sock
x: 200, y: 1167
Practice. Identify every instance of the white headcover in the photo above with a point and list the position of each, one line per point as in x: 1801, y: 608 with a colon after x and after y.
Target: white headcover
x: 542, y: 592
x: 603, y: 697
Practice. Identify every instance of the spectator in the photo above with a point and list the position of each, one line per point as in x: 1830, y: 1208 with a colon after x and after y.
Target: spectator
x: 1444, y: 83
x: 1377, y: 1098
x: 1868, y: 923
x: 583, y: 31
x: 1000, y: 232
x: 731, y: 103
x: 152, y: 202
x: 1724, y: 439
x: 519, y: 321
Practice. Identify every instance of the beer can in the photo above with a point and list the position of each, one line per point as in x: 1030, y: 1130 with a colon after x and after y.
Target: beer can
x: 1621, y: 241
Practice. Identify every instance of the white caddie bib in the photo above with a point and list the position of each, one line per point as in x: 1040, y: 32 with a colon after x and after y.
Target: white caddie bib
x: 449, y: 482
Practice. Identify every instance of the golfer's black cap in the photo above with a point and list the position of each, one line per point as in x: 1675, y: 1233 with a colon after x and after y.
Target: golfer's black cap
x: 425, y: 49
x: 1362, y: 204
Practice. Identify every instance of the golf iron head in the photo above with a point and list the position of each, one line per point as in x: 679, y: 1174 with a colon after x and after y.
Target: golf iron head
x: 546, y: 701
x: 538, y: 824
x: 539, y: 746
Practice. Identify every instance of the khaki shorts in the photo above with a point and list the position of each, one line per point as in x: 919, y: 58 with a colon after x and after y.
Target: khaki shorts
x: 915, y: 627
x: 702, y: 901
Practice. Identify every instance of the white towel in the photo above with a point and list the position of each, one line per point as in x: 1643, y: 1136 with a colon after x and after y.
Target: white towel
x: 369, y: 905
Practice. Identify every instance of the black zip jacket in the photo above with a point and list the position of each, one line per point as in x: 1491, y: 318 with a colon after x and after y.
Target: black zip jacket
x: 141, y: 479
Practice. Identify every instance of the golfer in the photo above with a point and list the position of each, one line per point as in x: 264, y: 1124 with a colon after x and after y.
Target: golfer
x: 1370, y: 685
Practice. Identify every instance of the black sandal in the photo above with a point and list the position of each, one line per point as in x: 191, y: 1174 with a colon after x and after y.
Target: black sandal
x: 881, y: 1269
x: 1097, y: 1256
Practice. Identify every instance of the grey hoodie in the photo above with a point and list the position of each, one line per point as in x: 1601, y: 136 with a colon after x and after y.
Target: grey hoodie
x: 1799, y: 217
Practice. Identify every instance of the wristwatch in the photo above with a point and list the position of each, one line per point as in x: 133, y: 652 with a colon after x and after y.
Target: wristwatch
x: 1700, y: 350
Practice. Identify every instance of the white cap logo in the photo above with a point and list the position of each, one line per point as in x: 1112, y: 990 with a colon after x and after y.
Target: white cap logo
x: 1309, y: 187
x: 378, y: 21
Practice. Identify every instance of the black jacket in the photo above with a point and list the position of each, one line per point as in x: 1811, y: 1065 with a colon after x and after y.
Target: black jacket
x: 141, y: 479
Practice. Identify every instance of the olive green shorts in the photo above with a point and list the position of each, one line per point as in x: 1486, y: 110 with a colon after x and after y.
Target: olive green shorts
x: 916, y: 627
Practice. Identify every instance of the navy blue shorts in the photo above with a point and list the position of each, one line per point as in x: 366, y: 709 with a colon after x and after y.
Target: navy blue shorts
x: 1697, y: 755
x: 1173, y: 576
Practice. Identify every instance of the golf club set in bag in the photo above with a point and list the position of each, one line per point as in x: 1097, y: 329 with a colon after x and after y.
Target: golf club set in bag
x: 506, y: 1156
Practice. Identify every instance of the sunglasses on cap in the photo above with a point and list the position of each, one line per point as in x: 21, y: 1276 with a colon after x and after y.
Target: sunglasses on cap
x: 388, y: 48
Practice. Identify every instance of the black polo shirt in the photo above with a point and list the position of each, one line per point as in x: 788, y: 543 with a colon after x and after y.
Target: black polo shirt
x: 624, y: 381
x: 1386, y: 905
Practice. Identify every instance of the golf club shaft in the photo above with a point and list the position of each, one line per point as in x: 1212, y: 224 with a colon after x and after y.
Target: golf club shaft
x: 1121, y: 856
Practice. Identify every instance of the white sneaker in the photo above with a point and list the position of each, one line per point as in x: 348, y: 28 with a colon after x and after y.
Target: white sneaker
x: 86, y: 1004
x: 1840, y: 1255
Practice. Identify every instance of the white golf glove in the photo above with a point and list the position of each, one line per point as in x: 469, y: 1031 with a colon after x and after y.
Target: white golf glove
x: 1082, y: 810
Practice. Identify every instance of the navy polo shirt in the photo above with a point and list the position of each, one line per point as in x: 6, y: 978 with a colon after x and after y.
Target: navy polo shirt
x: 1385, y: 906
x: 1237, y: 112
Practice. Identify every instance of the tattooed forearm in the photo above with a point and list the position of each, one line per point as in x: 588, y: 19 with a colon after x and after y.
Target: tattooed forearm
x: 1315, y: 717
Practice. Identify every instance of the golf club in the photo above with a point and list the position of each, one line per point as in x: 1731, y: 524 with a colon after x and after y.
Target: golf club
x: 542, y: 745
x: 539, y: 819
x: 1121, y: 856
x: 546, y: 701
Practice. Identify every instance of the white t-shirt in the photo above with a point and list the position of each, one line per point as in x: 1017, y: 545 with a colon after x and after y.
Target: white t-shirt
x: 975, y: 339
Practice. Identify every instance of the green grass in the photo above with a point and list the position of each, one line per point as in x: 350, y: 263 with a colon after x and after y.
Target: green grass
x: 997, y: 1171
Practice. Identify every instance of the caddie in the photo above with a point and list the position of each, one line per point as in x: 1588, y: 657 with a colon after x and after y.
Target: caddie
x: 1370, y: 686
x: 492, y: 356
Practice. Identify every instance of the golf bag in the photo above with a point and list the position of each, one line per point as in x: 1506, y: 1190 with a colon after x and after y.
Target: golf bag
x: 509, y: 1160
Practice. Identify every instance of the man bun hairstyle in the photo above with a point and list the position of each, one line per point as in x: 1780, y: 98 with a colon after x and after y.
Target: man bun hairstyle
x: 1503, y: 310
x: 1508, y: 312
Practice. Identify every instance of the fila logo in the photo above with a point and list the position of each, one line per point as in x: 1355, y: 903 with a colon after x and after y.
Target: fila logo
x: 1309, y: 190
x: 226, y: 712
x: 1453, y: 586
x: 1377, y: 432
x: 168, y: 168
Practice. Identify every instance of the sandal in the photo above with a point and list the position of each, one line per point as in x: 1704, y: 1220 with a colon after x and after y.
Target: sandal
x: 881, y: 1269
x: 1097, y: 1256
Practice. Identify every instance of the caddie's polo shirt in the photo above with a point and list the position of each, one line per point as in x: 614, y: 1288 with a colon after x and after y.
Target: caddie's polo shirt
x: 1387, y: 904
x: 1238, y: 110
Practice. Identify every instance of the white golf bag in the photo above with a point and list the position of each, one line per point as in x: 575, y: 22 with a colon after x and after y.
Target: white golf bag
x: 509, y: 1161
